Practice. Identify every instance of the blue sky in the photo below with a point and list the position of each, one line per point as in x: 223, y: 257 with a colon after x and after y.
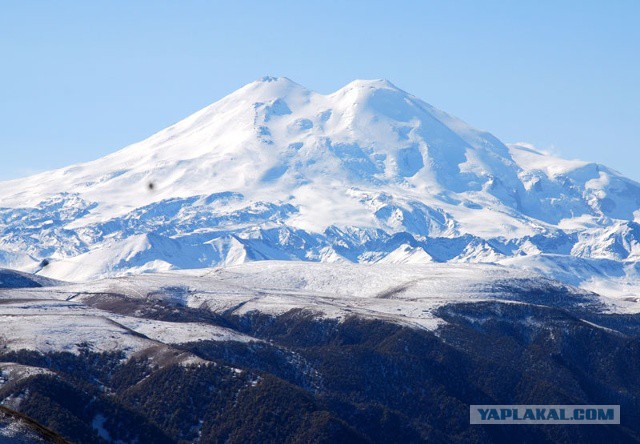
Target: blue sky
x: 82, y: 79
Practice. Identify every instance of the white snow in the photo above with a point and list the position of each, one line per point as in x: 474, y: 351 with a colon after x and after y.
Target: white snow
x: 405, y: 293
x: 11, y: 372
x: 64, y: 318
x: 276, y: 171
x: 181, y: 332
x: 48, y: 325
x: 98, y: 425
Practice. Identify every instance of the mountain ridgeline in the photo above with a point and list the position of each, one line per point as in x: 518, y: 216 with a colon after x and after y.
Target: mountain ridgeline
x: 366, y: 174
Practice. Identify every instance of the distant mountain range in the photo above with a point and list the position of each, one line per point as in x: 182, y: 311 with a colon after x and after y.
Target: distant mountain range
x: 367, y: 174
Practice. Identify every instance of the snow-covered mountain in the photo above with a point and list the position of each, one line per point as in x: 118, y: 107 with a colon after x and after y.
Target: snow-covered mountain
x: 367, y: 174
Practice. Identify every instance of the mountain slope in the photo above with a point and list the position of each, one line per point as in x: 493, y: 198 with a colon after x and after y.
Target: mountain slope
x: 16, y: 428
x: 275, y: 171
x: 283, y: 351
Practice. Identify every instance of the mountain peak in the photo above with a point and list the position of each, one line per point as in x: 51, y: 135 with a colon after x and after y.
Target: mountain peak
x: 274, y: 79
x: 276, y: 171
x: 358, y: 83
x: 269, y: 88
x: 372, y: 83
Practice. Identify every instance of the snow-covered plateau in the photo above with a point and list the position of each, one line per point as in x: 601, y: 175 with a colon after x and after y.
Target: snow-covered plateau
x: 368, y: 174
x: 113, y: 315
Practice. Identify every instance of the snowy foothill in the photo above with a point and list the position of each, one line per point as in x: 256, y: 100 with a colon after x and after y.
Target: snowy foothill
x: 109, y: 314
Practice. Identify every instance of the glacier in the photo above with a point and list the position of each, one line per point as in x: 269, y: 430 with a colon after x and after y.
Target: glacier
x: 367, y: 174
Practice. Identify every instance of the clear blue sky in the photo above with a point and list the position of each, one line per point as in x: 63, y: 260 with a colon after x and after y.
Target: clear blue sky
x: 80, y: 79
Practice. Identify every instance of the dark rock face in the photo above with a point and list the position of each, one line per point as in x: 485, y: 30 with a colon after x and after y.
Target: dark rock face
x: 306, y: 379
